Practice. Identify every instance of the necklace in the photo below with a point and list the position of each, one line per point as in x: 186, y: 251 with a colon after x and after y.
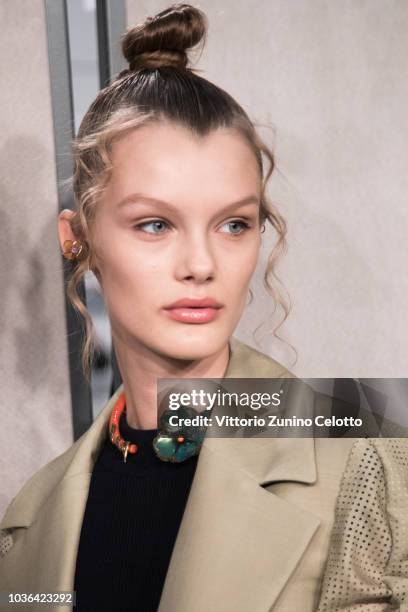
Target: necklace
x: 123, y: 445
x: 174, y: 444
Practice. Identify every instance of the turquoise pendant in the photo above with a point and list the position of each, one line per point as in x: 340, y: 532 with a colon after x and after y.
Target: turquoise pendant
x: 176, y: 443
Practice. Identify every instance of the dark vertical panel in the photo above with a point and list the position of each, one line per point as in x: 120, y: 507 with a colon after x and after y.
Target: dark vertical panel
x: 111, y: 19
x: 112, y: 22
x: 62, y: 108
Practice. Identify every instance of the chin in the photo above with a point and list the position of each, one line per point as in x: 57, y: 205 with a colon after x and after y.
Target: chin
x: 193, y: 344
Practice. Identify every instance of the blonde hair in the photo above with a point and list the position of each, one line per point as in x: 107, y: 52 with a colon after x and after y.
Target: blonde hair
x: 157, y: 86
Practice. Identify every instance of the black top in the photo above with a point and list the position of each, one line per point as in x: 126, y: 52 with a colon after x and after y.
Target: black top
x: 131, y: 520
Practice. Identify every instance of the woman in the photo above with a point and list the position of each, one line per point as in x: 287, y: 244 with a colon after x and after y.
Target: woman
x: 170, y: 191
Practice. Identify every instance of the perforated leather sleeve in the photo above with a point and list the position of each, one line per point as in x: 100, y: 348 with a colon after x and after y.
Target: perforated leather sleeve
x: 6, y: 542
x: 367, y: 565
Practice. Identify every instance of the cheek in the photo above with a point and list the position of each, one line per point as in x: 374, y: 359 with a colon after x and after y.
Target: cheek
x: 130, y: 278
x: 239, y: 267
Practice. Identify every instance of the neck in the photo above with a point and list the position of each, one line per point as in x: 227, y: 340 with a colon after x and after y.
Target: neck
x: 140, y: 368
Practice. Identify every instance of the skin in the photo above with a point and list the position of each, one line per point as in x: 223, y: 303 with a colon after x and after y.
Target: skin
x: 183, y: 235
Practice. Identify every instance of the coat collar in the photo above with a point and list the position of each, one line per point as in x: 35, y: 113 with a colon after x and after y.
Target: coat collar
x: 232, y: 527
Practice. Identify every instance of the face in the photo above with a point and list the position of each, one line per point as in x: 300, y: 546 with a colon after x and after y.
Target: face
x: 177, y: 237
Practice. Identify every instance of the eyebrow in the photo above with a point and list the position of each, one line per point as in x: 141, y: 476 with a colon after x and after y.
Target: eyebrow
x: 135, y: 197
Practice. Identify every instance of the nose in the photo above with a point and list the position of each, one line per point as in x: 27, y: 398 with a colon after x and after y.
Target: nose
x: 195, y: 262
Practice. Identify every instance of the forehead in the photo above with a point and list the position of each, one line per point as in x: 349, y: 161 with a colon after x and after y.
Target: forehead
x: 171, y: 162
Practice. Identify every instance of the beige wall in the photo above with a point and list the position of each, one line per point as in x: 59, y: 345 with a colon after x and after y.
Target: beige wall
x: 331, y: 77
x: 35, y: 395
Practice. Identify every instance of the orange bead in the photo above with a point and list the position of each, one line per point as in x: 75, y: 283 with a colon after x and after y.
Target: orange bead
x: 180, y: 439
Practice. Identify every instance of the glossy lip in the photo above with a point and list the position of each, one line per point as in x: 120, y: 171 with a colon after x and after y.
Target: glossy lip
x: 194, y: 310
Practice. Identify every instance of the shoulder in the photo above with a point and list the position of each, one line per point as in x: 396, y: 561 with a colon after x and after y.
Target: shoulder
x: 389, y: 454
x: 78, y: 458
x: 37, y: 487
x: 247, y: 362
x: 24, y: 507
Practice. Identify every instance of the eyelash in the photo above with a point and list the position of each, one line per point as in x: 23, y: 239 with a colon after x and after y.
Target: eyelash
x: 245, y: 226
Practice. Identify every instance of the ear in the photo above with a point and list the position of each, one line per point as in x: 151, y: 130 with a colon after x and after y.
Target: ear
x: 65, y: 233
x: 64, y: 226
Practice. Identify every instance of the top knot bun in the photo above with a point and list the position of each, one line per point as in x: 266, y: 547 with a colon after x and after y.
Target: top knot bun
x: 163, y: 40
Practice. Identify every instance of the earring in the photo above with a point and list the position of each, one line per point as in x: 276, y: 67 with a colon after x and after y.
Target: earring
x: 72, y: 249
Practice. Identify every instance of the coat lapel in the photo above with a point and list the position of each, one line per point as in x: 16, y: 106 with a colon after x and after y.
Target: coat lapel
x: 237, y: 545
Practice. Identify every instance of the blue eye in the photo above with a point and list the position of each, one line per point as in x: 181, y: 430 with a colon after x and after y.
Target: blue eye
x: 157, y: 226
x: 236, y: 227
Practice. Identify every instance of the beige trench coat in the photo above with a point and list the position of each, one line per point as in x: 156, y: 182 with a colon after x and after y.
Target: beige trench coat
x: 255, y: 532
